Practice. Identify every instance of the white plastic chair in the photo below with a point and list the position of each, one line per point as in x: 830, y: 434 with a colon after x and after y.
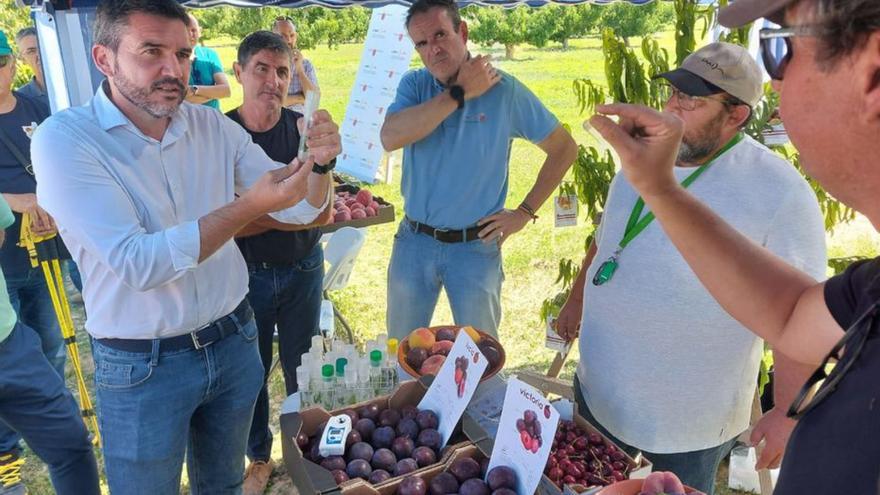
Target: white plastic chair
x: 340, y: 253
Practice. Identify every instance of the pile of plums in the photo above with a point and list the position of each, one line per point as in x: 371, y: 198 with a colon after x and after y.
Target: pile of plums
x: 464, y: 477
x: 383, y: 443
x: 581, y: 458
x: 530, y: 431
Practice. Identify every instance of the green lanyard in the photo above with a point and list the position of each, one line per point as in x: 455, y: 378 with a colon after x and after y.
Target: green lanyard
x: 636, y: 223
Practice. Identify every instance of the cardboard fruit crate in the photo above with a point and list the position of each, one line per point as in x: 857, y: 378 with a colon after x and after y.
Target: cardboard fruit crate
x: 385, y: 214
x: 310, y: 478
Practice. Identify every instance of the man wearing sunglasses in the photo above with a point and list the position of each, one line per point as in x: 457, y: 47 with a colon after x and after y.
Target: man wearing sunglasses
x: 830, y: 103
x: 652, y: 338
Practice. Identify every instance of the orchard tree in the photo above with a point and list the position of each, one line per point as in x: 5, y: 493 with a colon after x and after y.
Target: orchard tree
x: 491, y: 25
x: 561, y: 23
x: 628, y: 20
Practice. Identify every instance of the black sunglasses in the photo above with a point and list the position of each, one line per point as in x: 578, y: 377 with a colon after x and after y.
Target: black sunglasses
x: 776, y: 47
x: 852, y: 342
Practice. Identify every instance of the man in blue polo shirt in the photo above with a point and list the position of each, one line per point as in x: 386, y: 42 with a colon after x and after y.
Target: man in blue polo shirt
x: 29, y: 52
x: 456, y: 119
x: 207, y: 81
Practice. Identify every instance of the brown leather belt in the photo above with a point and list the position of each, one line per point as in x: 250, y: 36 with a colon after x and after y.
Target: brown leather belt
x: 446, y: 235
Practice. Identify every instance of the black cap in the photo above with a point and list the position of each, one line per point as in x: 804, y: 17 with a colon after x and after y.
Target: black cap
x: 689, y: 83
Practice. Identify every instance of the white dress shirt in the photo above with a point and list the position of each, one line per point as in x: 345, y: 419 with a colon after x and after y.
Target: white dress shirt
x: 127, y: 207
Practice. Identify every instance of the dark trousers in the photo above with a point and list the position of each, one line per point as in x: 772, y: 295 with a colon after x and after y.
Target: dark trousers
x: 35, y: 403
x: 290, y: 298
x: 696, y: 469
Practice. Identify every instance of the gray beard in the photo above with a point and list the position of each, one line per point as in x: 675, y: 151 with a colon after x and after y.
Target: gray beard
x: 140, y: 97
x: 694, y: 152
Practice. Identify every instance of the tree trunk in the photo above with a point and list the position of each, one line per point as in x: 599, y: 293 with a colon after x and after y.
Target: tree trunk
x: 565, y: 44
x: 625, y: 41
x: 509, y: 51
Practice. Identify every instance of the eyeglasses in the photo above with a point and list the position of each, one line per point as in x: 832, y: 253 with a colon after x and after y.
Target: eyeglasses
x: 776, y: 47
x: 284, y: 18
x: 688, y: 102
x: 853, y: 341
x: 4, y: 59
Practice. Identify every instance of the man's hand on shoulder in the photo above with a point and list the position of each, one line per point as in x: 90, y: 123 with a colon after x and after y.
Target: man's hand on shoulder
x: 476, y: 76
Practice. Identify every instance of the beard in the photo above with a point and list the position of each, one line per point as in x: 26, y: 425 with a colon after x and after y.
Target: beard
x: 140, y: 97
x: 701, y: 145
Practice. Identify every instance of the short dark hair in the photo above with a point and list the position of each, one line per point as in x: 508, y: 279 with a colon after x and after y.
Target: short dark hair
x: 112, y: 15
x: 260, y: 40
x: 23, y: 33
x: 844, y: 26
x: 422, y: 6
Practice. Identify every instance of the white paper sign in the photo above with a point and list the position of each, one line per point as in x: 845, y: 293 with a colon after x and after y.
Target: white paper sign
x: 525, y: 434
x: 552, y: 340
x: 386, y: 56
x: 566, y: 210
x: 455, y: 384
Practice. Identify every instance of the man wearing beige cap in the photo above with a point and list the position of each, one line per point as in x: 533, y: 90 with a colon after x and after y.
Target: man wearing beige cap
x: 830, y: 103
x: 663, y: 369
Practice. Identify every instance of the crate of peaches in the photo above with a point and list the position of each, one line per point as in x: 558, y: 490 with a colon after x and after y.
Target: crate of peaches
x: 424, y: 350
x: 356, y: 207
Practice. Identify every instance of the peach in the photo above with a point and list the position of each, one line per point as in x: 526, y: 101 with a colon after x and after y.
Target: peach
x: 422, y: 338
x: 432, y: 365
x: 342, y: 216
x: 370, y: 211
x: 358, y: 213
x: 473, y: 333
x: 441, y: 347
x: 364, y: 197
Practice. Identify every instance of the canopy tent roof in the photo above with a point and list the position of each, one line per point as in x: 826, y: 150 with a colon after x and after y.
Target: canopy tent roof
x: 338, y: 4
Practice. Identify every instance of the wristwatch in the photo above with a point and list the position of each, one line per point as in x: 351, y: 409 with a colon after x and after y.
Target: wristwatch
x: 457, y: 94
x: 193, y: 89
x: 324, y: 169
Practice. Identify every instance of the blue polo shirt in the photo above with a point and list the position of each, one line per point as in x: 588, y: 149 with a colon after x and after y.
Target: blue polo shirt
x: 202, y: 74
x: 18, y: 125
x: 458, y: 174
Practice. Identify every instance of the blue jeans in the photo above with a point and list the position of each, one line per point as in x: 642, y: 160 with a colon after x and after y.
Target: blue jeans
x: 156, y: 407
x: 696, y: 469
x: 35, y: 402
x: 289, y: 297
x: 470, y: 272
x: 30, y: 299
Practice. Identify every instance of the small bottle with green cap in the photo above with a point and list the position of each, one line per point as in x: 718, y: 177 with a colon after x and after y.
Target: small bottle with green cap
x: 376, y: 372
x: 341, y: 398
x: 328, y: 382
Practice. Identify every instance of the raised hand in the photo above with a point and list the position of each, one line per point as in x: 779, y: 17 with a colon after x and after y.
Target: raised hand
x: 280, y: 188
x: 647, y: 142
x: 476, y: 76
x: 324, y: 142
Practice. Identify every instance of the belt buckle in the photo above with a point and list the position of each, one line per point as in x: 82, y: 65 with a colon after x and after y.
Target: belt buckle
x: 442, y: 231
x: 195, y: 338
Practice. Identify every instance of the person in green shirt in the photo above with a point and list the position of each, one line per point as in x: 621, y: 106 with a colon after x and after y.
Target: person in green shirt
x: 35, y: 403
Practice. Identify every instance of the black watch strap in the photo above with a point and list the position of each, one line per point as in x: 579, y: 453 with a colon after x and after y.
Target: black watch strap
x: 324, y: 169
x: 457, y: 94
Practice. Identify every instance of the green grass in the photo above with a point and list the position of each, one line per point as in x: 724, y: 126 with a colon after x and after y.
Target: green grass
x: 530, y: 257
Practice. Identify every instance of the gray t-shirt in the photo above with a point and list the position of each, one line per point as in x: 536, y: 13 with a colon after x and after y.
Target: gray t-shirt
x: 662, y: 366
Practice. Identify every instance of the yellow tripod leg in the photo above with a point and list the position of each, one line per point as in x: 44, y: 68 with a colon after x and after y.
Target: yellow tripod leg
x: 55, y: 281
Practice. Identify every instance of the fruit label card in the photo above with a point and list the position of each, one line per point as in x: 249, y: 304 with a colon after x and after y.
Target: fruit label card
x: 552, y: 340
x: 566, y: 210
x: 455, y: 384
x: 525, y: 434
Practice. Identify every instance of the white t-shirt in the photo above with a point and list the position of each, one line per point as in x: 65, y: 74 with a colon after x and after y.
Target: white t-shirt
x: 663, y: 367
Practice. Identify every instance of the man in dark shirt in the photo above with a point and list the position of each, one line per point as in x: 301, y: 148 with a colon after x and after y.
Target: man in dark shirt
x: 29, y: 52
x: 286, y: 266
x: 28, y: 292
x: 828, y: 51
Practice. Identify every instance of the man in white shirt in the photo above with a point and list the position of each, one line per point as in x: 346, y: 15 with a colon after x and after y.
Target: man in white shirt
x: 147, y: 192
x: 663, y: 368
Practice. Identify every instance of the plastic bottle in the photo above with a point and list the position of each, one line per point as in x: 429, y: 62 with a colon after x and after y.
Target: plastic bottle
x: 341, y: 398
x: 363, y: 380
x: 328, y: 382
x: 302, y: 384
x: 391, y: 363
x: 376, y: 378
